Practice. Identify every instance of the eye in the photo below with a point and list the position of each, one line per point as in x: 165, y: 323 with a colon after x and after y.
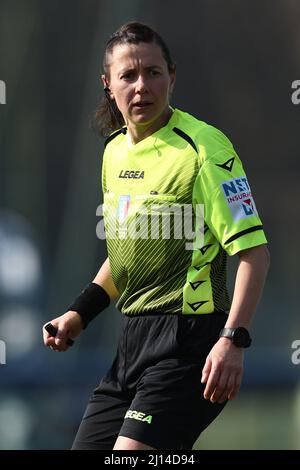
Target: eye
x: 154, y: 72
x: 128, y: 75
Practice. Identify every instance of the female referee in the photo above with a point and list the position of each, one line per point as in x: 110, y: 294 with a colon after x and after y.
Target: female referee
x: 180, y: 352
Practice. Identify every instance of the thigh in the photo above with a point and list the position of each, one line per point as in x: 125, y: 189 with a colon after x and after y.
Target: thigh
x: 169, y: 410
x: 125, y: 443
x: 101, y: 422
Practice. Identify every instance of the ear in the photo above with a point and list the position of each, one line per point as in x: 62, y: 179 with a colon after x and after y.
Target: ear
x: 105, y: 83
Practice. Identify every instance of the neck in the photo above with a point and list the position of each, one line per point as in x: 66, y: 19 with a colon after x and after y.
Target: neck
x: 141, y: 131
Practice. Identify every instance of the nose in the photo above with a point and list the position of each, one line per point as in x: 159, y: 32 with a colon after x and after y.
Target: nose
x: 140, y: 84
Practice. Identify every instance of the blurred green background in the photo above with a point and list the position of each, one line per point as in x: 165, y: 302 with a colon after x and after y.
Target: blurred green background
x: 236, y: 61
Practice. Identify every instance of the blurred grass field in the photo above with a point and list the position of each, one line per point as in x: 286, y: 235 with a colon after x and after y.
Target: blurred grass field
x: 256, y: 420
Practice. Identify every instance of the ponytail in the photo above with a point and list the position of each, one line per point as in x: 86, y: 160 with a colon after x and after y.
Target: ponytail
x: 107, y: 118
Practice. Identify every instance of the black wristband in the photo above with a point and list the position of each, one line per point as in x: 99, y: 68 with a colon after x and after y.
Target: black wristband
x: 92, y: 300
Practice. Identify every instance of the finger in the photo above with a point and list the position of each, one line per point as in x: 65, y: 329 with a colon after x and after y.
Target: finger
x: 46, y: 336
x: 50, y: 343
x: 56, y: 348
x: 206, y: 370
x: 227, y: 390
x: 221, y: 387
x: 63, y: 342
x: 61, y: 336
x: 236, y: 387
x: 231, y: 385
x: 211, y: 383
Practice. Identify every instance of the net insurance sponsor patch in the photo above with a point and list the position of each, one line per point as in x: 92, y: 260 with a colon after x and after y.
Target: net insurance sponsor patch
x: 239, y: 198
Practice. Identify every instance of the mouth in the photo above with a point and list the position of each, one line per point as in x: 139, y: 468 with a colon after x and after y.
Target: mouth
x: 142, y: 104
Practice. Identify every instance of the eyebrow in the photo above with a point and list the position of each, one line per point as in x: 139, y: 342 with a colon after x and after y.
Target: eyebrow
x: 149, y: 67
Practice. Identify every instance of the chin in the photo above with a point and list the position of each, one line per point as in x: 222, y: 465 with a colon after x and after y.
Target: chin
x: 146, y: 117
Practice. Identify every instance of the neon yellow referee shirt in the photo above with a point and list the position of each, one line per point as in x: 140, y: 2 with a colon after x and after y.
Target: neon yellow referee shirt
x: 186, y: 164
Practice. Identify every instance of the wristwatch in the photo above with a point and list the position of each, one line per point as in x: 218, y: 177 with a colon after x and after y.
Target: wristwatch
x: 239, y: 336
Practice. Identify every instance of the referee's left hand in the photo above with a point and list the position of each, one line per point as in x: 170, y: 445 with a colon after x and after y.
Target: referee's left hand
x: 223, y: 371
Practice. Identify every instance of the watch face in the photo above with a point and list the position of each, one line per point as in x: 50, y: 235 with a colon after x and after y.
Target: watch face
x: 241, y: 338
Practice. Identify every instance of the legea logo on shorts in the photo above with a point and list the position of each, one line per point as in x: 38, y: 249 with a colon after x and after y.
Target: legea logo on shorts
x: 239, y: 198
x: 139, y: 416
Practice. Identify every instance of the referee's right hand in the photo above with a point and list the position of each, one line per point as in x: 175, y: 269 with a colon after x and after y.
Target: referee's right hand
x: 69, y: 325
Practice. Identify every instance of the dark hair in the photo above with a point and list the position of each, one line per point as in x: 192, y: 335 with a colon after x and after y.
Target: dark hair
x: 108, y: 118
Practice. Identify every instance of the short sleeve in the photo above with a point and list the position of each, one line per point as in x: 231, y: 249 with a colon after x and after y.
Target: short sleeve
x: 229, y: 208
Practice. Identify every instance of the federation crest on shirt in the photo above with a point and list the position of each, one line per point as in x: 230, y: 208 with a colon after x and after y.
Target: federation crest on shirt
x: 123, y: 208
x: 239, y: 198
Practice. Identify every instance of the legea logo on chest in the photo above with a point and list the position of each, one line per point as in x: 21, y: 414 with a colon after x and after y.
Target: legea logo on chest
x: 136, y: 174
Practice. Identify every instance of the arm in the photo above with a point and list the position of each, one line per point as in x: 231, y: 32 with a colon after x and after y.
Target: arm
x: 105, y: 280
x: 69, y: 324
x: 223, y: 368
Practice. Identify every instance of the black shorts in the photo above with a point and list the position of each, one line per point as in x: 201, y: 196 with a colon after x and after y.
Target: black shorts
x: 153, y: 391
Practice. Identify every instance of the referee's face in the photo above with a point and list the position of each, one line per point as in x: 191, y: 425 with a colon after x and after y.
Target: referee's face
x: 140, y: 83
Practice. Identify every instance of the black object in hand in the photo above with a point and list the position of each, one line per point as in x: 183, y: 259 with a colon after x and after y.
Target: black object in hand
x: 53, y: 331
